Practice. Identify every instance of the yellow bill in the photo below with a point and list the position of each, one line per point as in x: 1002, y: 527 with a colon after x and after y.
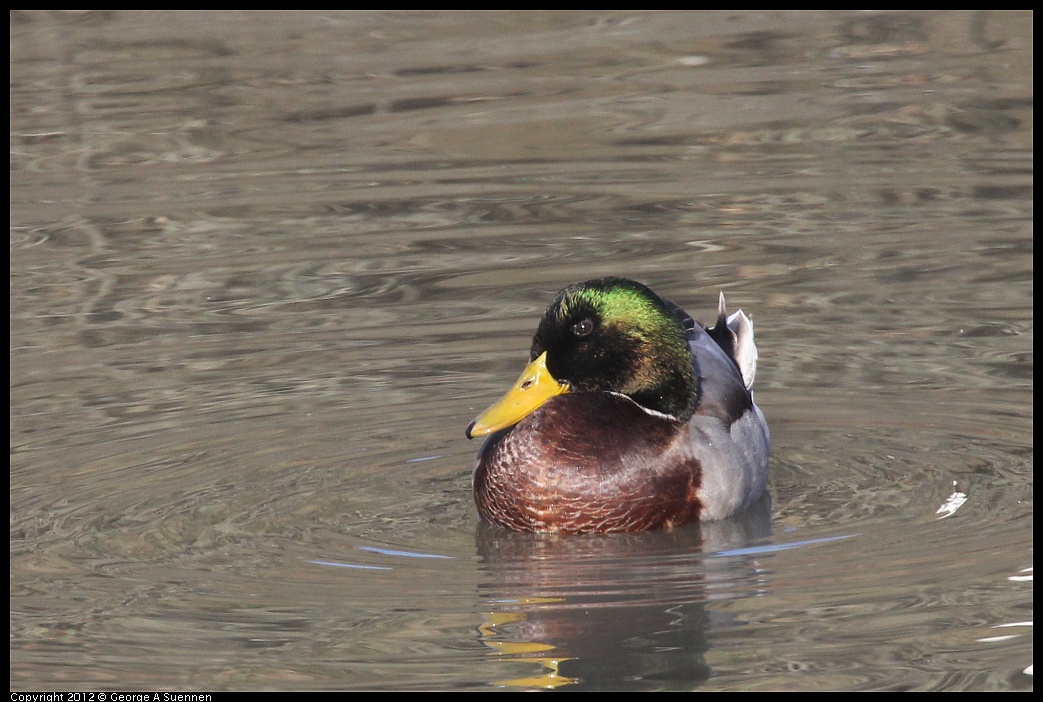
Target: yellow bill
x: 535, y: 386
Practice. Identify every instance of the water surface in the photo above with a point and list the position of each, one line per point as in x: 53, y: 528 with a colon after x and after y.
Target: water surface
x: 265, y: 268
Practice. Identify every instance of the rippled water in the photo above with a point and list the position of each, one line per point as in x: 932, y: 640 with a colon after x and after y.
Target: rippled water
x: 265, y: 268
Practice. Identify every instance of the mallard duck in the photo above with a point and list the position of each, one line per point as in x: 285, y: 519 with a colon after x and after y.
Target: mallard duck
x: 629, y: 416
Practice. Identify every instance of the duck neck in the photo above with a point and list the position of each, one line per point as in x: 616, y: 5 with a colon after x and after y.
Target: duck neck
x: 674, y: 390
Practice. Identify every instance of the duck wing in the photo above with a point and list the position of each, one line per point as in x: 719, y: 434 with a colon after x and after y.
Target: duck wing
x: 728, y: 432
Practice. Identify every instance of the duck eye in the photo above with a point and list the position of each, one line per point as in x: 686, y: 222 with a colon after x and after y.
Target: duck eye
x: 583, y: 327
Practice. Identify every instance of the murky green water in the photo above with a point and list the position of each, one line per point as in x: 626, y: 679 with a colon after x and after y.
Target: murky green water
x: 265, y: 268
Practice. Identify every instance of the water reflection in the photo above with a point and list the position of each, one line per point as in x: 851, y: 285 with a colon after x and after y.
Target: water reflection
x: 620, y: 611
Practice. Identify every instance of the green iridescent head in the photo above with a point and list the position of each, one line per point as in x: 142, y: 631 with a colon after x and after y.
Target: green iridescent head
x: 616, y: 335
